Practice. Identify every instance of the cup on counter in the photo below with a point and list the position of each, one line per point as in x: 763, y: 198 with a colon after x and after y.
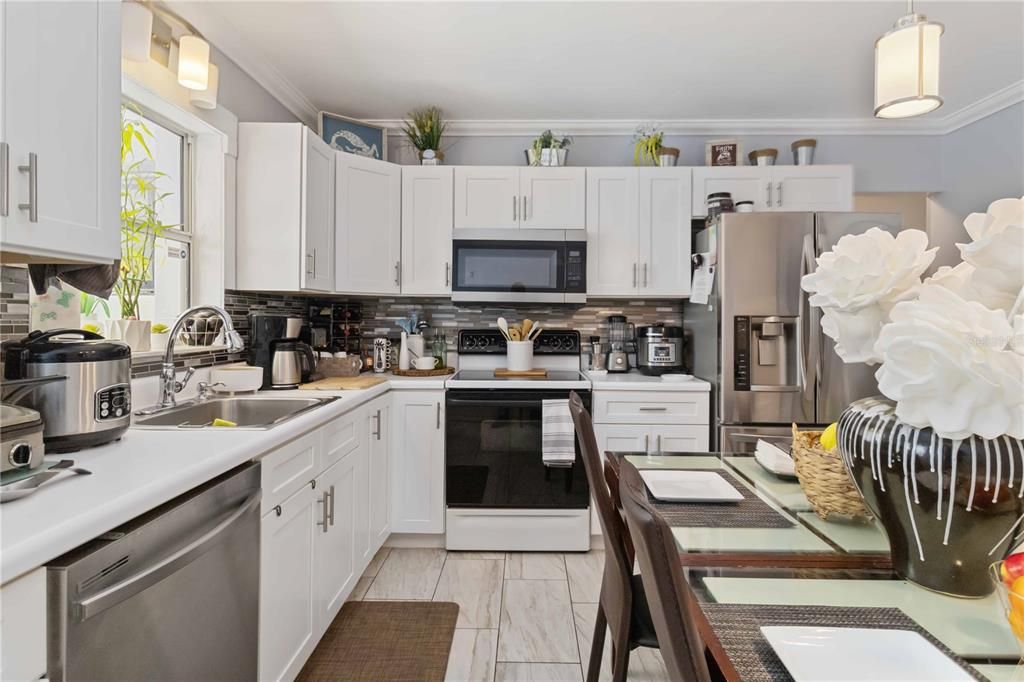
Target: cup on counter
x: 520, y: 356
x: 424, y: 363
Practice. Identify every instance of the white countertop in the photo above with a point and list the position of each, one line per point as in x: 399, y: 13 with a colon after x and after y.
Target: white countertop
x: 633, y: 380
x: 147, y: 468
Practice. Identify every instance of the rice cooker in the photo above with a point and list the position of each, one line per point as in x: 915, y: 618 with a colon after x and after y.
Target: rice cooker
x: 659, y: 349
x: 93, y: 406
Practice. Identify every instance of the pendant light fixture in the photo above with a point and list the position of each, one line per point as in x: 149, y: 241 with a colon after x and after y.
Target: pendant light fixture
x: 907, y: 67
x: 206, y: 99
x: 193, y: 62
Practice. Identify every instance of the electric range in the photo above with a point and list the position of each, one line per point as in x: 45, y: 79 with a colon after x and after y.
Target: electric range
x: 500, y: 495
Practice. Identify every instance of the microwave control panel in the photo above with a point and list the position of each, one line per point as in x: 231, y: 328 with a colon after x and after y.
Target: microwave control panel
x: 575, y: 267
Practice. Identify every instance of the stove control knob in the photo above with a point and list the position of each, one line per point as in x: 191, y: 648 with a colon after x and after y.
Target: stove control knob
x: 20, y: 455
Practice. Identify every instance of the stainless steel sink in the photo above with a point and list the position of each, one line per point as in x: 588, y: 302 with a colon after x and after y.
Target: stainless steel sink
x: 246, y: 413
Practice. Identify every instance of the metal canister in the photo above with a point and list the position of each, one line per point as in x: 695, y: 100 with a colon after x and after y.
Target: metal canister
x: 763, y: 157
x: 718, y: 203
x: 803, y: 152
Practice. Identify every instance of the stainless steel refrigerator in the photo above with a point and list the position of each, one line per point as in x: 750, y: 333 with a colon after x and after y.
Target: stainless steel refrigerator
x: 757, y: 340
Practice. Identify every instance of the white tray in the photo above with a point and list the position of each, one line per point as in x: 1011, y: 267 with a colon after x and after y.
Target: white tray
x: 689, y: 486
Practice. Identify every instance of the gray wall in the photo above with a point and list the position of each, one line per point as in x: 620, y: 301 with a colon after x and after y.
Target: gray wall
x: 882, y: 163
x: 980, y: 162
x: 243, y: 96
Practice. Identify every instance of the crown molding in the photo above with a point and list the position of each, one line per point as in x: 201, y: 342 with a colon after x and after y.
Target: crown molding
x: 984, y: 107
x: 220, y: 34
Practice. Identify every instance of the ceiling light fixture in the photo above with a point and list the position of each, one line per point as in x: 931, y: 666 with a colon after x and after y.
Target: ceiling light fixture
x: 907, y: 67
x: 193, y: 62
x: 206, y: 99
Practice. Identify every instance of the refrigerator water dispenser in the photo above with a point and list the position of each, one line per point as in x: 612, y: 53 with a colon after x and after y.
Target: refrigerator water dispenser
x: 766, y: 353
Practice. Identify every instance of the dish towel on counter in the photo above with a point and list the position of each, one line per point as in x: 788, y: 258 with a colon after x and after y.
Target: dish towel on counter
x: 558, y: 437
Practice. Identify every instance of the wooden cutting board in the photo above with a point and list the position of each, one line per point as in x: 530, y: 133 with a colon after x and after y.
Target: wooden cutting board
x: 504, y: 372
x: 343, y: 383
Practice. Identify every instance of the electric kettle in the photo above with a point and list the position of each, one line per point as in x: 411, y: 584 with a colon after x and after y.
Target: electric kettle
x: 291, y: 363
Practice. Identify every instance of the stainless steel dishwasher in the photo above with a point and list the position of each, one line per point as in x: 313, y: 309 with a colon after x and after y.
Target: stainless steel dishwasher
x: 170, y: 595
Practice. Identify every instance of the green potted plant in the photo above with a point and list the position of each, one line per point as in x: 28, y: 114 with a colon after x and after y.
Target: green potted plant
x: 423, y: 131
x: 548, y: 150
x: 648, y: 148
x: 140, y: 228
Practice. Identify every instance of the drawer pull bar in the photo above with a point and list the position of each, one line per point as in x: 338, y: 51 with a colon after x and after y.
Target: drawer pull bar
x: 654, y: 409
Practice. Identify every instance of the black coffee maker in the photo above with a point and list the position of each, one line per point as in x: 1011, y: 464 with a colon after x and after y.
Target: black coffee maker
x: 266, y: 331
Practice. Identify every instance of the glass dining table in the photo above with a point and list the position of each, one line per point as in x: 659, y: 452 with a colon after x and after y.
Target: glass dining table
x: 812, y: 569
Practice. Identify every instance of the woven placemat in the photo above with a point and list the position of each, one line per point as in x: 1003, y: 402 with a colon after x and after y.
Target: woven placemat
x: 750, y: 512
x: 737, y: 627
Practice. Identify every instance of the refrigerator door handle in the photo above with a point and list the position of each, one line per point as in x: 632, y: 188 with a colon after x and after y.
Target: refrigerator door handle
x: 804, y: 332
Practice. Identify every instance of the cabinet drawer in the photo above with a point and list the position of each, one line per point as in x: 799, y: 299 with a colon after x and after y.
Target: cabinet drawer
x: 341, y: 437
x: 643, y: 407
x: 671, y: 438
x: 288, y: 468
x: 23, y: 627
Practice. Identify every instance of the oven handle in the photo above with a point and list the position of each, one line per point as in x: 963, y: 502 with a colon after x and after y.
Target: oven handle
x: 497, y: 402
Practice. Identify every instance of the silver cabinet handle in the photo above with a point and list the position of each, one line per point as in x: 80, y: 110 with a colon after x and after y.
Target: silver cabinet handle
x: 309, y: 268
x: 778, y: 199
x: 398, y: 273
x: 634, y: 274
x: 314, y: 261
x: 769, y: 194
x: 447, y: 274
x: 439, y: 416
x: 515, y: 208
x: 33, y: 188
x: 330, y: 513
x: 377, y: 432
x: 5, y: 179
x: 647, y: 442
x: 657, y: 444
x: 645, y: 274
x: 654, y: 409
x: 324, y: 513
x: 523, y: 212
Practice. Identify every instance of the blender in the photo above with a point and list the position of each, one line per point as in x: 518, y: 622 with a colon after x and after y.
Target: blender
x: 620, y: 335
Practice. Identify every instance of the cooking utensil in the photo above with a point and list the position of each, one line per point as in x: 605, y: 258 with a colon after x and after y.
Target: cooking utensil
x: 527, y: 326
x: 27, y: 486
x: 503, y: 326
x: 535, y: 332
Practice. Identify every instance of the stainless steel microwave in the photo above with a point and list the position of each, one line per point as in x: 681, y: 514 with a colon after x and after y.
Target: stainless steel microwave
x: 519, y: 271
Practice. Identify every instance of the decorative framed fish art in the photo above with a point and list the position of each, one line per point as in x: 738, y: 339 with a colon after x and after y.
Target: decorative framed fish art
x: 354, y: 136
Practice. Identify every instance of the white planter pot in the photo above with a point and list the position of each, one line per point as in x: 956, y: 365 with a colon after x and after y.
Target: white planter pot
x: 158, y: 341
x: 135, y: 333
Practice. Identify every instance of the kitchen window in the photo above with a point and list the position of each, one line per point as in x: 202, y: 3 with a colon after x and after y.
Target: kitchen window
x: 157, y: 182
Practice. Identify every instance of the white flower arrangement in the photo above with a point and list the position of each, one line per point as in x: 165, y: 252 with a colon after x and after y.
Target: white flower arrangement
x: 950, y: 349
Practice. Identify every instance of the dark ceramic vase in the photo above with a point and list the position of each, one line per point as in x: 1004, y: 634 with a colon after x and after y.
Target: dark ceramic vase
x: 950, y: 507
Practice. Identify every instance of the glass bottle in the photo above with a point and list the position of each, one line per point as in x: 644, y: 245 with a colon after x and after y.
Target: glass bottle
x: 439, y: 350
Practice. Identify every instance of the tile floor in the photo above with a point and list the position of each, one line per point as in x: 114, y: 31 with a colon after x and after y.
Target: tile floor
x: 522, y: 616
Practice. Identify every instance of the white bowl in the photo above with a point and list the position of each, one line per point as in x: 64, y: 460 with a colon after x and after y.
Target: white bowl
x: 237, y: 378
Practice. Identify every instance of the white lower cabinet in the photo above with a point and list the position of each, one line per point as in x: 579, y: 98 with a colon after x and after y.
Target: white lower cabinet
x: 417, y: 480
x: 328, y: 514
x: 287, y: 604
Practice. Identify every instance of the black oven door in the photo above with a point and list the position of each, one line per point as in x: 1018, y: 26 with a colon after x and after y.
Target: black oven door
x: 493, y: 454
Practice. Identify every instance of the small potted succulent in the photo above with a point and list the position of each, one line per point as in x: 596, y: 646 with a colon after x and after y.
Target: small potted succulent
x: 648, y: 148
x: 423, y: 131
x: 548, y: 150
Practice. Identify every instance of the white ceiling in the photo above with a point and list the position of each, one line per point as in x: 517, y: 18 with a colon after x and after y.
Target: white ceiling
x: 604, y: 61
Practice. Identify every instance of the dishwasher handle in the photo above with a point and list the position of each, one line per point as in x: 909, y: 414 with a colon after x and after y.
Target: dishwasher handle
x: 129, y: 587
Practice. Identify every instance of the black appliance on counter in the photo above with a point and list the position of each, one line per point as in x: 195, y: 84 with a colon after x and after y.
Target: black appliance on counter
x: 267, y: 333
x: 93, y: 405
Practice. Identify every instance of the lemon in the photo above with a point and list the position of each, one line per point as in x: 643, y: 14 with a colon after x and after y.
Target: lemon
x: 223, y: 422
x: 828, y: 437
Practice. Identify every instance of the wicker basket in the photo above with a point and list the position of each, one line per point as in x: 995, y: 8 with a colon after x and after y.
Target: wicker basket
x: 824, y: 478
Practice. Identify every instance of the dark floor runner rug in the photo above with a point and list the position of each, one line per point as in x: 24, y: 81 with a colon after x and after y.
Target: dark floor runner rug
x: 384, y: 641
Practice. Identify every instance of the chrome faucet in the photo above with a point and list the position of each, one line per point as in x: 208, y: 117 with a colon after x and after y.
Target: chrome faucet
x: 169, y: 383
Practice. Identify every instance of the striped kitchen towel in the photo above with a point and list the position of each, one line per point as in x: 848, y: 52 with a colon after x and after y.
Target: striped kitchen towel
x: 558, y: 440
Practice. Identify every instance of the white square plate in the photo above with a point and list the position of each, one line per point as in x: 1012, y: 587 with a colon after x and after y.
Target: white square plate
x: 857, y: 654
x: 689, y: 486
x: 774, y: 459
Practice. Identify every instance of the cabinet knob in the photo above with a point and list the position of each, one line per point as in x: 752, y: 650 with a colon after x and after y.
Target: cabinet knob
x: 278, y: 510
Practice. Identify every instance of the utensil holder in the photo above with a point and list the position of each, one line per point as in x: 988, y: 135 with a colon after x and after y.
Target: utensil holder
x: 520, y: 356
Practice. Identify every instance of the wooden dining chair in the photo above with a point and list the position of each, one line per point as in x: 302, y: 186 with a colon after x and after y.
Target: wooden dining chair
x: 669, y: 598
x: 622, y: 607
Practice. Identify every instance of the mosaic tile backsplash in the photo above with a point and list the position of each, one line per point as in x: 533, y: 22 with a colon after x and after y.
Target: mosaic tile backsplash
x: 14, y: 314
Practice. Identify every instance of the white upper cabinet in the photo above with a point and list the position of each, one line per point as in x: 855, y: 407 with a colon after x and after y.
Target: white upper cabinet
x: 777, y: 188
x: 613, y: 239
x: 486, y: 197
x: 285, y: 204
x: 368, y: 219
x: 497, y: 197
x: 427, y: 210
x: 59, y: 130
x: 553, y: 198
x: 664, y: 210
x: 746, y: 183
x: 812, y: 188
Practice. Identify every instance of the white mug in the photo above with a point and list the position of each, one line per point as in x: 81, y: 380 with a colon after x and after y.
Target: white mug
x: 424, y: 363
